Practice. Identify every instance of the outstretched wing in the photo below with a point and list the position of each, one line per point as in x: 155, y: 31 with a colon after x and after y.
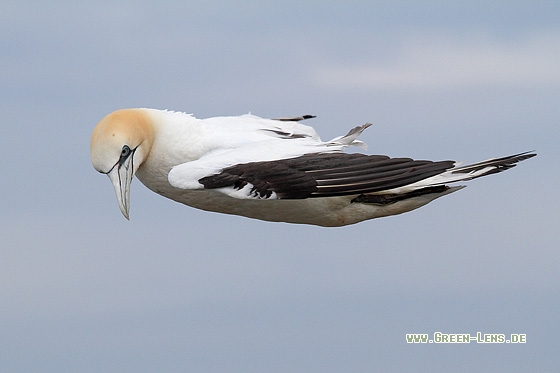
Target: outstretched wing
x: 321, y: 175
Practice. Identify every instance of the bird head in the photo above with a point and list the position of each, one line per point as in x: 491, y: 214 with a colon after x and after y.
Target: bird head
x: 120, y: 142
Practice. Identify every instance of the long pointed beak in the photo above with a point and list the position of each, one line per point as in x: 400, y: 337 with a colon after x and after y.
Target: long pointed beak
x: 121, y: 176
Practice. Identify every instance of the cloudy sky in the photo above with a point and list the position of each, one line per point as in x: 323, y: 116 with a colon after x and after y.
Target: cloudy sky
x: 177, y: 289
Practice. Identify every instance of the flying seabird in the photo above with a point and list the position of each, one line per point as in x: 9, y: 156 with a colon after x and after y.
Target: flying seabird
x: 270, y: 169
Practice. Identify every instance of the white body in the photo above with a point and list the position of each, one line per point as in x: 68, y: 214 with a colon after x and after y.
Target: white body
x: 216, y: 143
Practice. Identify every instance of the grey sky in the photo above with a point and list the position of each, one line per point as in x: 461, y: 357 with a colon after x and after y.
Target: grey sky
x: 176, y: 289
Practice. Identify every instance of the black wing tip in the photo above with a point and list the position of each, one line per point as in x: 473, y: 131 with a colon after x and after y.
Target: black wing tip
x: 509, y: 161
x: 296, y: 119
x: 526, y: 155
x: 498, y: 164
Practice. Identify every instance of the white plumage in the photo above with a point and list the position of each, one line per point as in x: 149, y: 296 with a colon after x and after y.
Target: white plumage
x: 268, y: 169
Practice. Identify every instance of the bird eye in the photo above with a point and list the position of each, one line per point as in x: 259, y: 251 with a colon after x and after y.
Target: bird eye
x: 125, y: 152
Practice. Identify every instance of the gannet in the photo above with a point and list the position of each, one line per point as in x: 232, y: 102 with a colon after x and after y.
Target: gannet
x: 276, y: 170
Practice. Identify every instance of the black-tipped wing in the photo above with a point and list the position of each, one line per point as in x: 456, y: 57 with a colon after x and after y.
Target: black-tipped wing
x: 499, y: 164
x: 324, y: 175
x: 295, y: 119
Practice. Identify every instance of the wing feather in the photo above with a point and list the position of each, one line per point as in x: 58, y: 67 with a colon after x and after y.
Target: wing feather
x: 324, y: 175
